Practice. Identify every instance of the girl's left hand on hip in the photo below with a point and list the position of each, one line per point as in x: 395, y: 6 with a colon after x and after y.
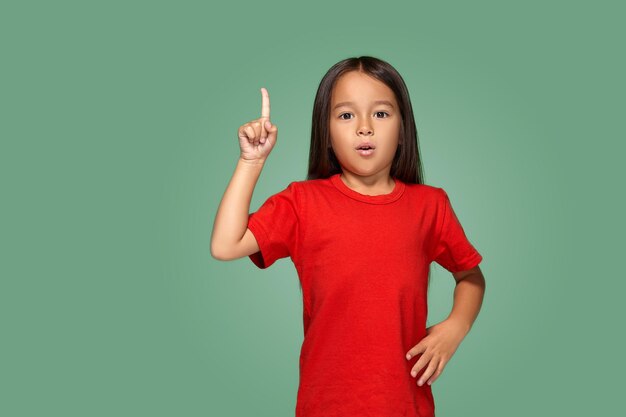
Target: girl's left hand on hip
x: 436, y: 349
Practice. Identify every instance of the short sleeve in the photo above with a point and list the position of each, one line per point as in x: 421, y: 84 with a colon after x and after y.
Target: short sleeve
x: 453, y: 250
x: 275, y: 227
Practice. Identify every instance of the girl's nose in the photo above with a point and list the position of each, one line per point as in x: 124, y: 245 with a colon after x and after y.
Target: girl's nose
x: 365, y: 130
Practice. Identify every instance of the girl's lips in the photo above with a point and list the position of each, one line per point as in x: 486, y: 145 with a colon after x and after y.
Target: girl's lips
x: 366, y: 145
x: 365, y: 152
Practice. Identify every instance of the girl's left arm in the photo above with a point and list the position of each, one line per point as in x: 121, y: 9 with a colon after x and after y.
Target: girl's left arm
x: 443, y: 338
x: 468, y: 297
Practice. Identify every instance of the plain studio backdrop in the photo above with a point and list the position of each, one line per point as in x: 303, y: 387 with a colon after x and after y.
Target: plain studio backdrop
x: 118, y: 133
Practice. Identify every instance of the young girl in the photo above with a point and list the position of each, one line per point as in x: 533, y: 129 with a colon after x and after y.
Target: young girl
x: 362, y: 231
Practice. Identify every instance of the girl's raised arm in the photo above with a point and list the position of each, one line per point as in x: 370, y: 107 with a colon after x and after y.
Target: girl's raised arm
x: 231, y: 238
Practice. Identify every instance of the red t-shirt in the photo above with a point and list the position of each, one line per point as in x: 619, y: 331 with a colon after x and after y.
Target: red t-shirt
x: 363, y: 263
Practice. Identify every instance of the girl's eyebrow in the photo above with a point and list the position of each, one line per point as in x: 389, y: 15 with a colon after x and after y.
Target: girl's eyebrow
x: 349, y: 103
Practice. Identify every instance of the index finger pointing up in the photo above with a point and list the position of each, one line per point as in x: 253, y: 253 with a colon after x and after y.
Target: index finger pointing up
x: 265, y: 108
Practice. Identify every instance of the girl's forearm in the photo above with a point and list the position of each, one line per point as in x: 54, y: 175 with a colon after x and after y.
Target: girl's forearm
x: 231, y: 219
x: 468, y: 298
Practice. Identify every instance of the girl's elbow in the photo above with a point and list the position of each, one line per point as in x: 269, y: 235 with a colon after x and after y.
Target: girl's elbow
x: 218, y: 253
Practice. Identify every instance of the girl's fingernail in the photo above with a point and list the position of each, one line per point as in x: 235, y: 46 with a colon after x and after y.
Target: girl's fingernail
x: 413, y: 373
x: 420, y: 382
x: 408, y: 356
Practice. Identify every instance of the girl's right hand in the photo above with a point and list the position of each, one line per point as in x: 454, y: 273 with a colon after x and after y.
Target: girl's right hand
x: 258, y: 137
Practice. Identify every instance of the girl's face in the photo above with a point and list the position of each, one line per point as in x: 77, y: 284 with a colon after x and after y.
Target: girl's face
x: 364, y: 110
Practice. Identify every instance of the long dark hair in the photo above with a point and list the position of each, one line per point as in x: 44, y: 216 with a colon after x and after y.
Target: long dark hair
x: 407, y: 164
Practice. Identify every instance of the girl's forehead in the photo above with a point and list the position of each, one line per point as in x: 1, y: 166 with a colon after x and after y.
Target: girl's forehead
x: 356, y: 87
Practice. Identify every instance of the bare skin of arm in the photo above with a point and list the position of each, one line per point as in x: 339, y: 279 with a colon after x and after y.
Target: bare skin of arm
x: 468, y: 296
x: 231, y: 238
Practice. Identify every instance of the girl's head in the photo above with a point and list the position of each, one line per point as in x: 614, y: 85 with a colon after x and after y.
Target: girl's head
x: 349, y: 110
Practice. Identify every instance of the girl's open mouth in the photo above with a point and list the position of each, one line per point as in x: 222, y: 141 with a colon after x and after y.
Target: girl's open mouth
x: 365, y: 148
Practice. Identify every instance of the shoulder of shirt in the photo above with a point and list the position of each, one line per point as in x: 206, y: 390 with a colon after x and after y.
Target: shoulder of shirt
x: 425, y: 189
x: 306, y: 184
x: 304, y: 189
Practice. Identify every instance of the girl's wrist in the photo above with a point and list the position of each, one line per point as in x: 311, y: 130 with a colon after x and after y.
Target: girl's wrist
x: 461, y: 324
x: 252, y: 162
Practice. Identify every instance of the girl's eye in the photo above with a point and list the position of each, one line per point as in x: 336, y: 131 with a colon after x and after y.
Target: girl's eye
x: 378, y: 112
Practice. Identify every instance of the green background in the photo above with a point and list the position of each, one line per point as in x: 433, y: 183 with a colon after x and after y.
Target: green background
x: 118, y: 129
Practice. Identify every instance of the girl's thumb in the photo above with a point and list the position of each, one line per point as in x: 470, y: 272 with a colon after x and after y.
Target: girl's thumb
x: 272, y: 131
x: 270, y: 127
